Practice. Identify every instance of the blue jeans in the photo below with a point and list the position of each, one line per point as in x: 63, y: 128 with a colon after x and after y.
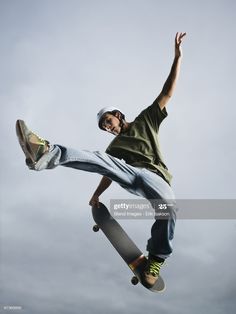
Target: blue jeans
x: 138, y: 181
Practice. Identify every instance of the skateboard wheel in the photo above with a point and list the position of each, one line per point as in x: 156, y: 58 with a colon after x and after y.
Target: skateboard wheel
x: 134, y: 280
x: 95, y: 228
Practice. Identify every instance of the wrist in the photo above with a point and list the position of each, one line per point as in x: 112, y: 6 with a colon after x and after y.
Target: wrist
x: 96, y: 194
x: 178, y: 56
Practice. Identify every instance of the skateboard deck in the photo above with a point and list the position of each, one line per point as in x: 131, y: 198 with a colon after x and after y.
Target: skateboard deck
x: 123, y: 244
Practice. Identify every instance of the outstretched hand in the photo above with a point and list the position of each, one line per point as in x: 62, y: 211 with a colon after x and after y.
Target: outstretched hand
x: 178, y: 40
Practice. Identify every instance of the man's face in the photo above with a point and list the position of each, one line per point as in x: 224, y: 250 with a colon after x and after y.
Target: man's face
x: 111, y: 123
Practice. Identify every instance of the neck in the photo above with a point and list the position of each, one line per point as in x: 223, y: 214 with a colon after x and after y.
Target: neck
x: 125, y: 126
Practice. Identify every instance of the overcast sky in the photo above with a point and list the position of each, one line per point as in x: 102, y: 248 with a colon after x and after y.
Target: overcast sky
x: 61, y: 61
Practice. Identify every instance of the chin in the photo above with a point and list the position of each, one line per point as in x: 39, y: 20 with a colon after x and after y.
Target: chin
x: 118, y: 132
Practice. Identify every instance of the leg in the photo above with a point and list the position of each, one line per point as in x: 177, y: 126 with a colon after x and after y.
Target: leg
x: 98, y: 162
x: 115, y: 169
x: 153, y: 187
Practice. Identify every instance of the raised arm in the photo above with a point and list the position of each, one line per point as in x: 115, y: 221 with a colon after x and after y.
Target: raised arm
x: 169, y: 86
x: 103, y: 185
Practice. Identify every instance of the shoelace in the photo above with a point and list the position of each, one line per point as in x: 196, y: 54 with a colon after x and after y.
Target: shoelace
x: 42, y: 146
x: 42, y: 140
x: 154, y: 267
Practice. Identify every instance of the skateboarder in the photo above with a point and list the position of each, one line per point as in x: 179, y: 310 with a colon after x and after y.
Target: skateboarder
x: 132, y: 159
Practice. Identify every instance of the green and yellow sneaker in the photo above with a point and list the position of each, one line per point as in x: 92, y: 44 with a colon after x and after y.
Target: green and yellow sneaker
x: 32, y: 145
x: 152, y: 270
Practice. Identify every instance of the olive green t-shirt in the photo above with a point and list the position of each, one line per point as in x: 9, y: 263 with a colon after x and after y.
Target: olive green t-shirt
x: 139, y: 144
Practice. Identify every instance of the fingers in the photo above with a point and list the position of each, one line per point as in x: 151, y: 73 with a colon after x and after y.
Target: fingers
x: 94, y: 202
x: 176, y: 37
x: 179, y: 37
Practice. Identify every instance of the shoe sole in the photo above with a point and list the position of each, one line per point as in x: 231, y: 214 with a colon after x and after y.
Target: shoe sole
x: 20, y: 124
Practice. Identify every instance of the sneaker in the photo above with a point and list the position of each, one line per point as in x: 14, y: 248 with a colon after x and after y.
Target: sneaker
x: 32, y: 145
x: 152, y: 270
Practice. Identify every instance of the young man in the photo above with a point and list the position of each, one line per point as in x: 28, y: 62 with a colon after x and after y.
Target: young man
x: 132, y: 159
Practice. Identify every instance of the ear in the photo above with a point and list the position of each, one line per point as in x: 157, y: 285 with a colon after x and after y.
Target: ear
x: 118, y: 115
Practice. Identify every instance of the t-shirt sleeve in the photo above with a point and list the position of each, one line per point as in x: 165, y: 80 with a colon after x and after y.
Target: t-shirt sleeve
x: 153, y: 115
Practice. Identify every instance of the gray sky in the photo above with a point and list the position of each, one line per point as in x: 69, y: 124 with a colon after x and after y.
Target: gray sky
x: 61, y: 61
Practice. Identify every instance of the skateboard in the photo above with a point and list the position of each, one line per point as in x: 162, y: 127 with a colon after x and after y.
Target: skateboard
x: 123, y: 244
